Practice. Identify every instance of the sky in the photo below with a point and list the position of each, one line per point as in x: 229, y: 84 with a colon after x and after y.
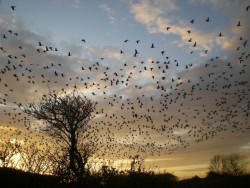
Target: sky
x: 170, y: 78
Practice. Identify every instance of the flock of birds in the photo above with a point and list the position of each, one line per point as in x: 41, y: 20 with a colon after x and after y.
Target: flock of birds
x: 142, y: 107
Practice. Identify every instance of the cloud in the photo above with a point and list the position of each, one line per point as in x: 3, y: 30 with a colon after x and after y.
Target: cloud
x: 245, y: 146
x: 231, y: 32
x: 154, y: 14
x: 157, y: 18
x: 110, y: 13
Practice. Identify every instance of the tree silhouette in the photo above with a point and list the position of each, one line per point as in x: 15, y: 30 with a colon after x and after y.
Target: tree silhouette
x: 8, y: 150
x: 233, y: 164
x: 136, y: 164
x: 66, y: 118
x: 216, y: 164
x: 34, y: 159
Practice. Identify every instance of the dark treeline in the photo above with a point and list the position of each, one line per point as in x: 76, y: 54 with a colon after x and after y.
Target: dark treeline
x: 17, y: 178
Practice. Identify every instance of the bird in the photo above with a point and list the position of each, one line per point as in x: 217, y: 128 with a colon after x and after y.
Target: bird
x: 13, y: 8
x: 238, y: 24
x: 136, y: 52
x: 245, y: 43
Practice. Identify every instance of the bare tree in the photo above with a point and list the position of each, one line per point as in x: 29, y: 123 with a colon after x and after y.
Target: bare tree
x: 66, y: 118
x: 233, y: 164
x: 136, y: 164
x: 34, y: 159
x: 216, y: 164
x: 8, y: 150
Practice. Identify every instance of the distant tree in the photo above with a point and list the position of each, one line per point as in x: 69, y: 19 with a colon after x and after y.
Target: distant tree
x: 8, y: 150
x: 34, y: 159
x: 66, y: 119
x: 236, y: 164
x: 233, y: 164
x: 216, y: 164
x: 136, y: 164
x: 107, y: 173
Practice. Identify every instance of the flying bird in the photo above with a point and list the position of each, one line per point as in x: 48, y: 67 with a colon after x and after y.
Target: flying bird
x: 238, y: 24
x: 13, y: 8
x: 245, y: 43
x: 136, y: 52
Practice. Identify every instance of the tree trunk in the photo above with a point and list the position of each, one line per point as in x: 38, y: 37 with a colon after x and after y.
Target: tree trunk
x: 77, y: 165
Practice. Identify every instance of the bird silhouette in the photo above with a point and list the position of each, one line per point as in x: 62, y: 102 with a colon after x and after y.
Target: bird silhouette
x: 13, y: 8
x: 238, y: 24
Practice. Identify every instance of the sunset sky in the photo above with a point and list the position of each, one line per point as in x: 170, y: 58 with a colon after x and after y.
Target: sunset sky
x: 171, y: 78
